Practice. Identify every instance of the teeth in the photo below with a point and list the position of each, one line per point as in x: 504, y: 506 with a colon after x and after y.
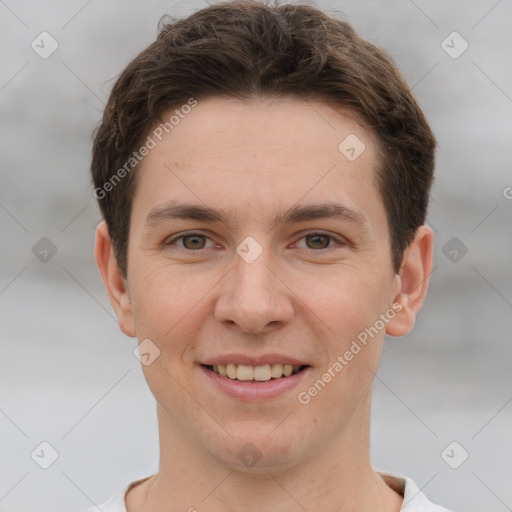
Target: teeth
x: 244, y: 372
x: 287, y: 370
x: 277, y: 371
x: 231, y: 370
x: 262, y: 373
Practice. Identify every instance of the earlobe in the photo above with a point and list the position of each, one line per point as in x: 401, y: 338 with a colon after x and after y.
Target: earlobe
x: 413, y: 282
x: 114, y: 281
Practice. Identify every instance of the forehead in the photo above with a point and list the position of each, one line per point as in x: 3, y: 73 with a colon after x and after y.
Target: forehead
x: 307, y: 126
x: 254, y: 156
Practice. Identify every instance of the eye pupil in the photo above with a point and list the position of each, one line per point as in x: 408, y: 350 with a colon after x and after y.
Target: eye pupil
x: 196, y: 244
x: 316, y: 239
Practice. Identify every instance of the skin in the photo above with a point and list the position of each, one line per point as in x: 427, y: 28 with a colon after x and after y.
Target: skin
x: 306, y: 297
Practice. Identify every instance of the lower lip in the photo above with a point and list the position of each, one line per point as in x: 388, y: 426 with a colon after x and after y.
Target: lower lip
x: 254, y: 391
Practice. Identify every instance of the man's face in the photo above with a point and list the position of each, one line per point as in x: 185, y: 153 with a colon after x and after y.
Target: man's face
x: 256, y: 286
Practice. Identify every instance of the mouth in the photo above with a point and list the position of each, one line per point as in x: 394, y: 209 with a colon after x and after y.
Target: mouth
x: 255, y: 374
x: 254, y: 383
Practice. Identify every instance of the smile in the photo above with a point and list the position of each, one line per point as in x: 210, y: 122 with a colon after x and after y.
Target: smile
x: 254, y: 383
x: 262, y: 373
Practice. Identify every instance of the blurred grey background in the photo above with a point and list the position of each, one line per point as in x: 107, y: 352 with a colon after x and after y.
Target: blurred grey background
x: 68, y: 376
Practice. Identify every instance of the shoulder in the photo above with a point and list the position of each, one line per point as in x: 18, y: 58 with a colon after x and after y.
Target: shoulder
x: 414, y: 499
x: 117, y: 502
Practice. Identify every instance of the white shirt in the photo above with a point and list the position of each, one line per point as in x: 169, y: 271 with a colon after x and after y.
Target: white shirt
x: 414, y: 499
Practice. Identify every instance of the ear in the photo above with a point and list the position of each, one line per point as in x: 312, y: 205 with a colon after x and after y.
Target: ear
x: 115, y: 283
x: 413, y: 282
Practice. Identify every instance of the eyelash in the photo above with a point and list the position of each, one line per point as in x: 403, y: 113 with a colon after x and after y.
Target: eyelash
x: 338, y: 240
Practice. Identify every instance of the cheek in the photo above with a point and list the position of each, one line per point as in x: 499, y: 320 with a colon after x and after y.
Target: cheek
x: 170, y: 308
x: 348, y: 300
x: 161, y: 286
x: 158, y: 304
x: 167, y: 312
x: 349, y: 305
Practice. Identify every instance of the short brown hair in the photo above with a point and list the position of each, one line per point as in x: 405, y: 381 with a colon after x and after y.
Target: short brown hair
x: 246, y: 49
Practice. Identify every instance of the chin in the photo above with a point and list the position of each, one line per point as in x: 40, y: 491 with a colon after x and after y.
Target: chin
x: 256, y: 450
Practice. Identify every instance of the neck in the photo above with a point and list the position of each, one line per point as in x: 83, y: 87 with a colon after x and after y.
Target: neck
x: 336, y: 477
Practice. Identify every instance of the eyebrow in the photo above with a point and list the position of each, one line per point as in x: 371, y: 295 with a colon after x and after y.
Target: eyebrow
x: 199, y: 212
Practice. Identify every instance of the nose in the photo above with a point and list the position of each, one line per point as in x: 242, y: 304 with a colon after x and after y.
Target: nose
x: 254, y: 298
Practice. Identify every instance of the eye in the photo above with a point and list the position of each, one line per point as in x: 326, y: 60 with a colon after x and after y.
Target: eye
x: 197, y: 241
x: 321, y: 240
x: 189, y: 241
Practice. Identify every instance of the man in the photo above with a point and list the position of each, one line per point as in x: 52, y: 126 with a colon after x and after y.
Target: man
x: 264, y: 176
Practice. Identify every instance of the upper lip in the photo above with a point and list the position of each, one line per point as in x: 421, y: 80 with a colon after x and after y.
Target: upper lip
x: 253, y: 360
